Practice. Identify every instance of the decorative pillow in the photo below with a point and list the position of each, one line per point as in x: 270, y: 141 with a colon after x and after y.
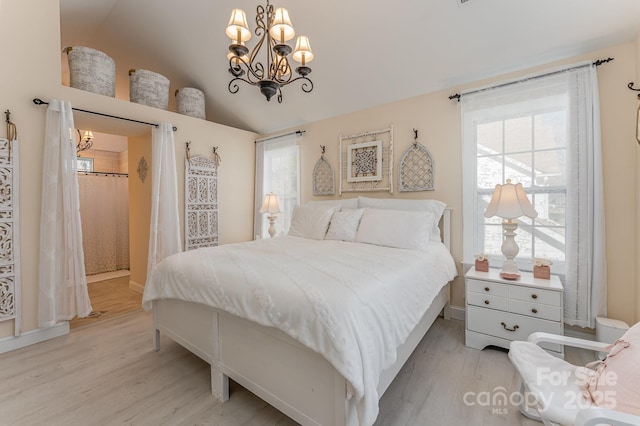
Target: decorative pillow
x: 434, y: 206
x: 311, y: 221
x: 396, y: 228
x: 347, y: 203
x: 344, y: 225
x: 616, y: 384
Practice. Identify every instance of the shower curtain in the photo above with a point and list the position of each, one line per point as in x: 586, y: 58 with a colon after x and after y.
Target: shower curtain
x: 104, y: 209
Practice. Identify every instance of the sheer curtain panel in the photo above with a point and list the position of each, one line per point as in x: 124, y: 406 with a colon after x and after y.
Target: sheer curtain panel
x: 164, y: 236
x: 543, y: 132
x: 62, y: 282
x: 277, y: 171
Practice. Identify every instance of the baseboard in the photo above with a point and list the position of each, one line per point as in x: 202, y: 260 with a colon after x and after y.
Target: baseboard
x: 457, y: 312
x: 34, y: 336
x: 134, y: 286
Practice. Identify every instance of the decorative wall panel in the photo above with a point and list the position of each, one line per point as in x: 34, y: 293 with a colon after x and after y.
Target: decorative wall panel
x: 201, y: 202
x: 9, y: 238
x: 366, y: 161
x: 323, y: 176
x: 415, y: 172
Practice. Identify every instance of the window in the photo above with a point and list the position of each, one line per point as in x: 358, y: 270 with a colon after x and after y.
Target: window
x: 277, y: 171
x: 529, y: 147
x: 544, y: 133
x: 84, y: 164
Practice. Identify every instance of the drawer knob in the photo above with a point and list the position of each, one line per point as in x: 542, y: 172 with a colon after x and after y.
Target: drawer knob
x: 534, y: 310
x: 515, y: 327
x: 534, y: 296
x: 486, y: 302
x: 487, y: 289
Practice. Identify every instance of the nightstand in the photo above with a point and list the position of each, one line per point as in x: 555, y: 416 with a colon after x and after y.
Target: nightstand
x: 499, y: 311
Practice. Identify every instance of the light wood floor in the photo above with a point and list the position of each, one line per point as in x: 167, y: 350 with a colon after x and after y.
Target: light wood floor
x: 109, y: 298
x: 107, y: 374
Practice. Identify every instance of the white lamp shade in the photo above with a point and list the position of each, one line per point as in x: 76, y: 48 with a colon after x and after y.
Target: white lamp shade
x: 270, y: 204
x: 281, y: 27
x: 88, y: 135
x: 237, y: 28
x: 302, y: 52
x: 509, y: 201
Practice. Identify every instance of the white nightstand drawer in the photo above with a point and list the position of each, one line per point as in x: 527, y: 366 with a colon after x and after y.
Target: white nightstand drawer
x: 488, y: 301
x: 528, y: 294
x: 537, y: 310
x: 488, y: 287
x: 509, y: 326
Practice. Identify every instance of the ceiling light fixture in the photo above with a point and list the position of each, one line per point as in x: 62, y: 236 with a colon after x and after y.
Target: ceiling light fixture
x: 274, y: 29
x: 85, y: 141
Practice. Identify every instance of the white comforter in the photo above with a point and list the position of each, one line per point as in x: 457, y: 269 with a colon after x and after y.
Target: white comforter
x: 353, y: 303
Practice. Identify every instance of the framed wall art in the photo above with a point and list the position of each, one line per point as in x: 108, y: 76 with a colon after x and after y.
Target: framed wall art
x: 366, y: 161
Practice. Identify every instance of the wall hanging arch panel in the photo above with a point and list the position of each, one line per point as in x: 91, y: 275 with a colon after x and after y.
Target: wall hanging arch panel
x: 415, y: 170
x: 323, y: 183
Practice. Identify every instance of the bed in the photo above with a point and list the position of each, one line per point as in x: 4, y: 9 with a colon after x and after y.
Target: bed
x: 317, y: 328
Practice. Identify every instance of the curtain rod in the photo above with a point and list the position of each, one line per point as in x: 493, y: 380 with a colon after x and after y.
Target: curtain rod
x: 297, y: 132
x: 102, y: 173
x: 39, y: 101
x: 597, y: 63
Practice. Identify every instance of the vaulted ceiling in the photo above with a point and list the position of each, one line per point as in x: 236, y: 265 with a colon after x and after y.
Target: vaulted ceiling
x: 367, y: 53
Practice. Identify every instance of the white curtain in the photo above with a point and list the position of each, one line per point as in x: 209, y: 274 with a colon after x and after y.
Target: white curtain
x: 62, y: 281
x: 104, y: 209
x: 586, y: 269
x: 164, y: 236
x: 277, y: 171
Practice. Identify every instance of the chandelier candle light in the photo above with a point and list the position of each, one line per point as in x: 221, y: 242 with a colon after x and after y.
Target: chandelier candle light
x: 272, y: 207
x: 509, y: 202
x: 274, y: 29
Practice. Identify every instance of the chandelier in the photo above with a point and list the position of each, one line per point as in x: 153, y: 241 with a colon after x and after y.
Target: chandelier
x: 274, y: 29
x: 84, y: 141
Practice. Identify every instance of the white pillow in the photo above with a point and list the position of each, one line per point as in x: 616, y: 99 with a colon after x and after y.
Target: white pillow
x: 347, y: 203
x: 396, y: 228
x: 311, y: 221
x: 434, y: 206
x: 344, y: 225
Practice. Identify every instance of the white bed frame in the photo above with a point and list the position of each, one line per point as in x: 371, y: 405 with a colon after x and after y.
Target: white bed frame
x: 296, y: 380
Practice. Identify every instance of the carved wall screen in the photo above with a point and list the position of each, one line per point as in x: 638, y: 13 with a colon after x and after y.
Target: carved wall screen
x: 201, y: 202
x: 366, y: 161
x: 9, y: 235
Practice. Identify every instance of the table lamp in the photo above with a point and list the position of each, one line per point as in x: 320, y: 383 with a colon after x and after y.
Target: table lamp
x: 272, y: 207
x: 509, y: 201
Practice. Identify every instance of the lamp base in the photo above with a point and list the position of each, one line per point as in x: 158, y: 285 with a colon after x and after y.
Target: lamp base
x: 510, y: 250
x: 272, y: 228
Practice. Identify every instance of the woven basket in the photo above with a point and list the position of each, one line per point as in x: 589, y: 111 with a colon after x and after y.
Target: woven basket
x: 148, y: 88
x: 190, y: 102
x: 91, y: 70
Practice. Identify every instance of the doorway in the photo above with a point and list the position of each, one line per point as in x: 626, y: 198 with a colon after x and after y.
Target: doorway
x: 104, y: 210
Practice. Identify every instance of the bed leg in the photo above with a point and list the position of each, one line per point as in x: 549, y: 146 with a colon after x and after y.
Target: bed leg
x: 219, y: 384
x: 156, y: 339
